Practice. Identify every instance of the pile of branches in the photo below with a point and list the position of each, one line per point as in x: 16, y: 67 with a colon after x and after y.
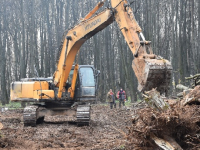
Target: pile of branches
x: 195, y: 80
x: 177, y: 127
x: 1, y: 125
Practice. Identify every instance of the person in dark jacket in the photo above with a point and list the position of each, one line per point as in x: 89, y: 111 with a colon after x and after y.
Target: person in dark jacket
x: 121, y: 95
x: 111, y: 99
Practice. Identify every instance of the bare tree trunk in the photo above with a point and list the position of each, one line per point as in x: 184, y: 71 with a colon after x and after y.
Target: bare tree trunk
x: 22, y: 60
x: 4, y: 97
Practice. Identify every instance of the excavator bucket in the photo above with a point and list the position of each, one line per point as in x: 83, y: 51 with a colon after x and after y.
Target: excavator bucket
x: 152, y: 72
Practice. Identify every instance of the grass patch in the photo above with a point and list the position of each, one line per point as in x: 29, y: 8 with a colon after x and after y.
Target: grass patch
x: 128, y: 103
x: 11, y: 105
x: 121, y: 147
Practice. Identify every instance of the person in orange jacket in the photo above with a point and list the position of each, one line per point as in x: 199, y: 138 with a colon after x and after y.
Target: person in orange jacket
x: 121, y: 95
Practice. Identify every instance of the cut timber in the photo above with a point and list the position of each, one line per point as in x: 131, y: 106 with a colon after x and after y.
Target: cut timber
x: 180, y: 94
x: 184, y: 93
x: 154, y: 100
x: 185, y: 90
x: 1, y: 126
x: 193, y: 96
x: 173, y: 142
x: 195, y: 78
x: 182, y: 87
x: 169, y: 144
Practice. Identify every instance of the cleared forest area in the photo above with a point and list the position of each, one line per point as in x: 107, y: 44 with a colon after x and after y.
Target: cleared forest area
x: 30, y: 36
x: 137, y: 126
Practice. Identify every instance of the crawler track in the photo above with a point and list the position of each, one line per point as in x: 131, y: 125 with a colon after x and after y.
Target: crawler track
x: 30, y: 115
x: 83, y: 115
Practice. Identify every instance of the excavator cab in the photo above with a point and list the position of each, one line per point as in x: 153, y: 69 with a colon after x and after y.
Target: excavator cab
x: 86, y: 82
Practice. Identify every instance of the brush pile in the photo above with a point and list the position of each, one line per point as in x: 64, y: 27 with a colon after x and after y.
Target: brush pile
x: 177, y: 127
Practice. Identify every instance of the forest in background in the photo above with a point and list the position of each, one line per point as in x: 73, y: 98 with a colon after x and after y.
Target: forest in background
x: 31, y: 32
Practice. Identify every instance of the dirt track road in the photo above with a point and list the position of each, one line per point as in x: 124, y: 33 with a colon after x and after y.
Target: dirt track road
x: 106, y: 131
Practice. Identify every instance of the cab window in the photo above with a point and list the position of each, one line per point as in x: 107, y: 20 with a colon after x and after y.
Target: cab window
x: 87, y: 76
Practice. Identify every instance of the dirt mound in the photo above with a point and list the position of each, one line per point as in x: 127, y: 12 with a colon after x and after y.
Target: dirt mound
x: 181, y: 124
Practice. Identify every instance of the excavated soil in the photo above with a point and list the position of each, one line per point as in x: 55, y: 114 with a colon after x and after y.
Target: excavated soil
x: 106, y: 131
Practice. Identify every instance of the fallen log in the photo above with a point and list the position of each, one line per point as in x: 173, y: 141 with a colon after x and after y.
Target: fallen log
x: 192, y: 96
x: 195, y: 78
x: 167, y: 144
x: 173, y: 142
x: 184, y: 93
x: 185, y: 90
x: 192, y: 77
x: 182, y: 87
x: 158, y: 128
x: 155, y: 101
x: 180, y: 94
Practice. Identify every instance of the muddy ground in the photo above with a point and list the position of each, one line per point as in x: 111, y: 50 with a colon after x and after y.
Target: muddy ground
x: 107, y: 130
x: 127, y: 128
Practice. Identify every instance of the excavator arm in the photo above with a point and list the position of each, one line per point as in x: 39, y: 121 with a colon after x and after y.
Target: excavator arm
x: 152, y: 71
x: 148, y: 68
x: 73, y: 41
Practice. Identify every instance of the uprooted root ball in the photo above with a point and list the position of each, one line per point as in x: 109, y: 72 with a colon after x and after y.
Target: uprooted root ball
x: 181, y: 124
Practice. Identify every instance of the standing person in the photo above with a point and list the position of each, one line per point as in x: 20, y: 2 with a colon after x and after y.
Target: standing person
x: 121, y: 95
x: 111, y: 99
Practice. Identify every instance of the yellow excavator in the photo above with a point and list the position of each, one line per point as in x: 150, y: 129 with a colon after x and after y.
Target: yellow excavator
x: 73, y: 87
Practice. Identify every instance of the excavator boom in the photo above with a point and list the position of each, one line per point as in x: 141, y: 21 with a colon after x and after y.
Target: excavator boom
x: 73, y: 41
x: 151, y: 71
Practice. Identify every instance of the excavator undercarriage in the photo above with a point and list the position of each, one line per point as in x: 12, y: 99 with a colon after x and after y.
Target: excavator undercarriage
x: 35, y: 114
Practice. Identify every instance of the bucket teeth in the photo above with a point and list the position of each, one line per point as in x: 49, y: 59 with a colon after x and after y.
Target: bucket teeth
x: 152, y: 73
